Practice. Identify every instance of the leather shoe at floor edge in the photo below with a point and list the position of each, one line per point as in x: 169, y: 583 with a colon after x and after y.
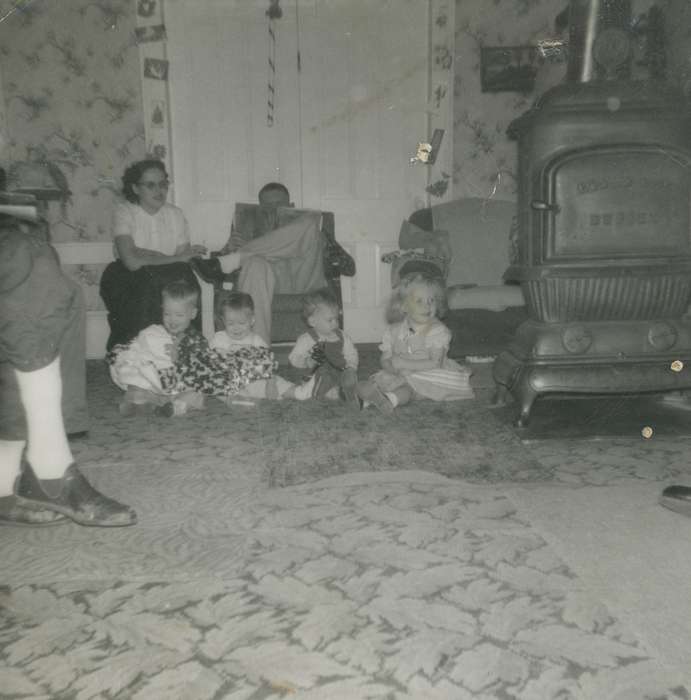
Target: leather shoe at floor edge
x: 77, y: 499
x: 209, y: 269
x: 15, y: 513
x: 677, y: 498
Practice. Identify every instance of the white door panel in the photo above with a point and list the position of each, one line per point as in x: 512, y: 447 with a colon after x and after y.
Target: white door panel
x: 345, y: 125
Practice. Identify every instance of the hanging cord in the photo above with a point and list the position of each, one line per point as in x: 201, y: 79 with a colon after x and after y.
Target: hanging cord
x: 271, y: 82
x: 299, y: 81
x: 273, y: 13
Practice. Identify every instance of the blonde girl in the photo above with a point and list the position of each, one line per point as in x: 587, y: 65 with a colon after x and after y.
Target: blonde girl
x: 414, y: 350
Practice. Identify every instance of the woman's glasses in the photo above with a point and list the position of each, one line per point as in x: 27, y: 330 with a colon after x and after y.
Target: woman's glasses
x: 164, y: 185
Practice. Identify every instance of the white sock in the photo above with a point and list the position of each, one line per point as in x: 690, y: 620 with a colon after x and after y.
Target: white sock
x: 304, y: 391
x: 392, y: 397
x: 41, y: 393
x: 10, y: 461
x: 231, y: 262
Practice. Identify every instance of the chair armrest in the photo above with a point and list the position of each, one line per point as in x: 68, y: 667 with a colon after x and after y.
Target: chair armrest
x: 337, y: 261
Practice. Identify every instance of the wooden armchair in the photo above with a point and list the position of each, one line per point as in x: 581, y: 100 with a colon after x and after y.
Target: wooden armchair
x: 286, y: 311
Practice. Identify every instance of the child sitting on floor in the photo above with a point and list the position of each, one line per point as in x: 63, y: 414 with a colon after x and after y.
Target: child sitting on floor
x: 414, y: 348
x: 326, y: 350
x: 167, y: 369
x: 236, y: 311
x: 145, y: 368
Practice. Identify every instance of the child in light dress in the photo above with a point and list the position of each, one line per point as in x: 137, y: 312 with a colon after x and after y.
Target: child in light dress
x: 145, y: 367
x: 414, y: 350
x: 236, y: 311
x: 326, y: 350
x: 169, y: 368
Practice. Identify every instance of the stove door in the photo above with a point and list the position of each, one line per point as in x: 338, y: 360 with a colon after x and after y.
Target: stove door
x: 616, y: 203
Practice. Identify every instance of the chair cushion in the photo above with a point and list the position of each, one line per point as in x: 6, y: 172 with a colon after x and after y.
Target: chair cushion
x: 475, y: 232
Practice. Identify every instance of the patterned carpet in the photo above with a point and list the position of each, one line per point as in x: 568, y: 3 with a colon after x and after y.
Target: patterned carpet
x: 299, y: 550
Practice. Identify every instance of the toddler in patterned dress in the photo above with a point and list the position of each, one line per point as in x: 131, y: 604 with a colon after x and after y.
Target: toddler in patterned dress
x: 236, y: 311
x: 414, y: 350
x: 169, y: 368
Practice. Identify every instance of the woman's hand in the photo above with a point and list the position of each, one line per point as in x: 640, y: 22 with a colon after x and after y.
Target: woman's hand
x: 186, y: 252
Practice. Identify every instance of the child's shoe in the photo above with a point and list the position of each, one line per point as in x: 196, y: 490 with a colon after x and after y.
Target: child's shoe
x: 370, y: 392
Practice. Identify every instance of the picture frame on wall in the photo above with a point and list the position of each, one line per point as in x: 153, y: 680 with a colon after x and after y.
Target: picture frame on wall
x: 508, y: 68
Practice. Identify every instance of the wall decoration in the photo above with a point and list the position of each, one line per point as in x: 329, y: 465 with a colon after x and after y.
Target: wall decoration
x: 146, y: 8
x: 156, y: 68
x: 508, y: 68
x: 158, y: 114
x: 151, y: 32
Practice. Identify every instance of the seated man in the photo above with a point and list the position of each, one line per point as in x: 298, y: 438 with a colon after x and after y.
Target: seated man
x: 280, y: 253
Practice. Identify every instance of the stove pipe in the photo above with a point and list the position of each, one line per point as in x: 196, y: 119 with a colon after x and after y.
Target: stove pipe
x: 588, y: 19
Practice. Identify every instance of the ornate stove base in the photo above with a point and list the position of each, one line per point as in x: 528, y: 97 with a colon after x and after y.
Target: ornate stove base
x: 605, y: 357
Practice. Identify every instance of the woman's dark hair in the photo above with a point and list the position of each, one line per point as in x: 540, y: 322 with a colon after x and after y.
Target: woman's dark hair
x: 134, y: 173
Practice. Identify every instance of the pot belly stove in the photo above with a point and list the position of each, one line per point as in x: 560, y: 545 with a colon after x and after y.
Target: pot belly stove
x: 604, y: 248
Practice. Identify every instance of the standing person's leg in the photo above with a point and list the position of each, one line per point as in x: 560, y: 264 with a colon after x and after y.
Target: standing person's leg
x: 34, y: 313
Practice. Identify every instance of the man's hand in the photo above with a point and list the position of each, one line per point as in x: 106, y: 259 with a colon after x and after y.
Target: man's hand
x: 198, y: 249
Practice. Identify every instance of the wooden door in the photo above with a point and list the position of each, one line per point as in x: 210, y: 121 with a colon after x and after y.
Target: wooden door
x: 347, y: 117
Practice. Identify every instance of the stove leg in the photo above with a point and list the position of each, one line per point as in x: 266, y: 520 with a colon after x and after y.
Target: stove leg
x: 527, y: 401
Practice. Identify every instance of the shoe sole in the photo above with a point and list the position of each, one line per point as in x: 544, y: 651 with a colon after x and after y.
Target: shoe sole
x: 44, y: 505
x: 5, y: 522
x: 678, y: 506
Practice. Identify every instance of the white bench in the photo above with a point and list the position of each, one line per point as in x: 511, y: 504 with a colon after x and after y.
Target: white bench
x: 97, y: 330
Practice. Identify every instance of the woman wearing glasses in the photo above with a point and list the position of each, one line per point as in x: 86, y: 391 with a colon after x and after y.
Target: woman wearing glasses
x: 153, y: 248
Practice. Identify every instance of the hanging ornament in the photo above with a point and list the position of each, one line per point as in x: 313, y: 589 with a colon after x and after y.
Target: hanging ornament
x: 274, y: 11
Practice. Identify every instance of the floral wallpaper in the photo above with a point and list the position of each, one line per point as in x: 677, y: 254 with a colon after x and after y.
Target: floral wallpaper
x: 484, y: 157
x: 72, y: 98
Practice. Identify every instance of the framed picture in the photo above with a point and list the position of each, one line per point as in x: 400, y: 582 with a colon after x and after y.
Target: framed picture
x: 510, y: 68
